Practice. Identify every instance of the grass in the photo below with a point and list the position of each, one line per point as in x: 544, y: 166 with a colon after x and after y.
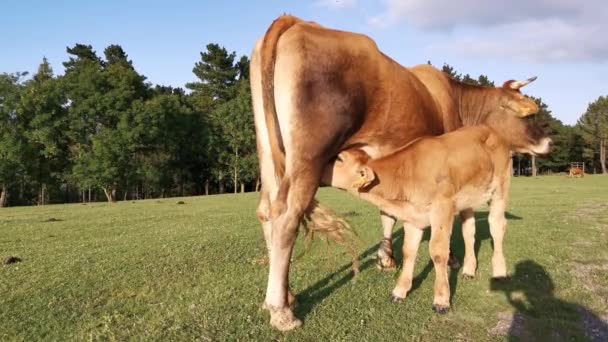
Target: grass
x: 155, y: 270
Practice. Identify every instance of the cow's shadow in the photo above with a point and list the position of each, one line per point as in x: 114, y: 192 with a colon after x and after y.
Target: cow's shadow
x: 317, y: 292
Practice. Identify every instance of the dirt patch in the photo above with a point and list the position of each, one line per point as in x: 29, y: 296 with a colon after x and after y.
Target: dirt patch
x: 584, y: 272
x: 591, y: 209
x: 52, y: 219
x: 511, y: 325
x: 181, y: 202
x: 11, y: 260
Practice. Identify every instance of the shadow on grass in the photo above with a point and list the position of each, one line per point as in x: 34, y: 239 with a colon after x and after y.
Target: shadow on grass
x: 542, y: 316
x: 316, y: 293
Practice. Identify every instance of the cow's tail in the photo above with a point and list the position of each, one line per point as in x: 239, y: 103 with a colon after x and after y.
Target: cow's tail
x: 268, y: 59
x: 317, y: 218
x: 323, y: 220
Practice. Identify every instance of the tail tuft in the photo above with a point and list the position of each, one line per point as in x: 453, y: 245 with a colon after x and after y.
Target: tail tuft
x: 320, y: 219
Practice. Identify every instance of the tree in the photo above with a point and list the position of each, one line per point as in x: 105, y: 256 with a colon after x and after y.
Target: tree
x: 594, y: 128
x: 44, y: 117
x: 217, y: 74
x: 235, y: 122
x: 11, y: 138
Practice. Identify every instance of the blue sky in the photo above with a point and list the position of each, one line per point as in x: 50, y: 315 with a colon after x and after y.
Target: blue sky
x: 560, y: 41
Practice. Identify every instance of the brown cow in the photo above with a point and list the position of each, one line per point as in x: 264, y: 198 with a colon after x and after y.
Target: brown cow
x: 317, y: 91
x: 576, y: 172
x: 433, y: 178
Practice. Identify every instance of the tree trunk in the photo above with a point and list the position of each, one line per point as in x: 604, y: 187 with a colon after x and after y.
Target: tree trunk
x: 42, y: 194
x: 206, y: 187
x: 242, y: 187
x: 3, y: 196
x: 533, y: 162
x: 518, y: 165
x: 257, y: 184
x: 236, y: 161
x: 603, y: 155
x: 89, y: 194
x: 110, y: 194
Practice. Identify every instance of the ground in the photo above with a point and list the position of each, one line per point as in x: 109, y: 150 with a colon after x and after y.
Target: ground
x: 156, y: 270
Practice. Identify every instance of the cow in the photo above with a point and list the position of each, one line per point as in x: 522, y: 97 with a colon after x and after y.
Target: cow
x: 576, y: 172
x: 429, y: 180
x: 317, y: 91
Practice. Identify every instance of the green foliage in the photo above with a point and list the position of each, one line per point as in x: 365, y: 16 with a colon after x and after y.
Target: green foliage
x: 102, y: 129
x: 593, y: 125
x: 217, y: 74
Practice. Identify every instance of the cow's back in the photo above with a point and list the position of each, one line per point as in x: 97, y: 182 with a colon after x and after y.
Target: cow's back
x: 341, y: 79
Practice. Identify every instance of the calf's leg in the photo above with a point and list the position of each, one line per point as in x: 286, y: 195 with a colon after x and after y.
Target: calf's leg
x: 386, y: 261
x: 442, y: 218
x: 468, y: 234
x: 411, y: 242
x: 498, y: 226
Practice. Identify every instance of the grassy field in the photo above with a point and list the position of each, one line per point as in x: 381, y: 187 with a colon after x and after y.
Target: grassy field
x: 156, y: 270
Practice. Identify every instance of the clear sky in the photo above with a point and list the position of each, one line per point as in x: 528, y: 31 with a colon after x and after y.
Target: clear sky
x: 563, y: 42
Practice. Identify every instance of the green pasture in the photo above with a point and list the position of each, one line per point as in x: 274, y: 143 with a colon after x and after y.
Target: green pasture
x: 159, y: 270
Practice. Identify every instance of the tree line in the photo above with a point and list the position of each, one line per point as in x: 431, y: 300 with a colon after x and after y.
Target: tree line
x: 100, y: 131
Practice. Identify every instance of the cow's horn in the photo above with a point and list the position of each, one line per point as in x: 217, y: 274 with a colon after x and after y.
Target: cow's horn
x: 518, y: 84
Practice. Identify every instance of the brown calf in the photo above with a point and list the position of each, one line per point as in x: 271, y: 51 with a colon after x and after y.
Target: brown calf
x: 426, y: 183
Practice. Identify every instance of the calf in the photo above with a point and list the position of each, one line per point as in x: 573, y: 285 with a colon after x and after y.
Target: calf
x: 426, y: 183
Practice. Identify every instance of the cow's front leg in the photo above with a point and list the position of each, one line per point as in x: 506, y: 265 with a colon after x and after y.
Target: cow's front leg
x: 386, y: 260
x: 468, y: 233
x: 411, y: 243
x: 442, y: 218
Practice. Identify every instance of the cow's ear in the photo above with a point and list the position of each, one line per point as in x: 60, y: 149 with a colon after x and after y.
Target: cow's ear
x: 365, y: 176
x: 516, y: 85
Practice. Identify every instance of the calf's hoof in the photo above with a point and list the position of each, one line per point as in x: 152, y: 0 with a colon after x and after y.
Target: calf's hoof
x: 283, y: 319
x: 468, y: 276
x: 386, y: 263
x: 441, y: 309
x: 501, y: 279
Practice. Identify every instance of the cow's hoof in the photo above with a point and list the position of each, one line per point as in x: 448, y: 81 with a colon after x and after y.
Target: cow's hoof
x: 397, y: 299
x: 386, y: 264
x: 283, y: 319
x: 292, y: 301
x: 468, y: 276
x: 441, y: 309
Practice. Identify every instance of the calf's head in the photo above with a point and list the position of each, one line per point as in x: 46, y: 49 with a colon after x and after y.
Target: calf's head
x: 512, y: 120
x: 350, y: 170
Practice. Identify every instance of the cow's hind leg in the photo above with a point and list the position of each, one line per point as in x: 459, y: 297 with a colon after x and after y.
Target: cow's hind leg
x: 386, y: 260
x: 411, y: 242
x: 295, y: 194
x: 468, y: 233
x: 442, y: 218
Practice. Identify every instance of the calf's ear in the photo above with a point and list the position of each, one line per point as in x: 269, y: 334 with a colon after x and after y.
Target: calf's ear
x: 365, y: 177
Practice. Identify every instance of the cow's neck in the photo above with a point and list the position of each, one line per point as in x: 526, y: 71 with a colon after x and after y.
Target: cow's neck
x: 474, y: 103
